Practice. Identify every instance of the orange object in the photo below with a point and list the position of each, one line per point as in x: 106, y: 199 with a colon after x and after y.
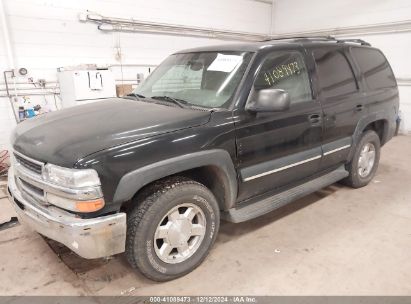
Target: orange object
x: 90, y: 206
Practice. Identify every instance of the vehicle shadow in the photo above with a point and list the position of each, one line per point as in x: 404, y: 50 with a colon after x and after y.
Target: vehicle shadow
x: 229, y: 231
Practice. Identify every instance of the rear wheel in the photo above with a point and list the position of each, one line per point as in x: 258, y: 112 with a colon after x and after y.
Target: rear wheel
x: 172, y: 229
x: 364, y: 163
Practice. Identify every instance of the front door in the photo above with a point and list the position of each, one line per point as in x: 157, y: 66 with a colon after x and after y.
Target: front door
x: 276, y: 149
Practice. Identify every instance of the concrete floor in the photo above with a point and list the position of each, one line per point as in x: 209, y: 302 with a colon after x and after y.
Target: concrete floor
x: 338, y: 241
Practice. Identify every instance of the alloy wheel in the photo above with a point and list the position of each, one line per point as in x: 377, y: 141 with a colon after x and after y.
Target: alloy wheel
x: 180, y: 233
x: 366, y: 160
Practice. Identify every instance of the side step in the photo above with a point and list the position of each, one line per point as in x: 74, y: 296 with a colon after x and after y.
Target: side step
x: 253, y: 210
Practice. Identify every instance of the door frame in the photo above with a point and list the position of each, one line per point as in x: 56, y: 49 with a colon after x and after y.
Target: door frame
x: 283, y: 162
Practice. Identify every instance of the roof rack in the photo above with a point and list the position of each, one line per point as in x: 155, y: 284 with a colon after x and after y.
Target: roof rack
x: 327, y: 38
x: 322, y: 38
x: 302, y: 38
x: 360, y: 41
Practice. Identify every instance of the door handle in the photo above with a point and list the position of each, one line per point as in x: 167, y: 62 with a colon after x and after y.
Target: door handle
x: 314, y: 119
x: 359, y: 107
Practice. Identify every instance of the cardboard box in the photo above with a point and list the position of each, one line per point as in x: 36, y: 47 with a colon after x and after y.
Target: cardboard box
x: 123, y: 89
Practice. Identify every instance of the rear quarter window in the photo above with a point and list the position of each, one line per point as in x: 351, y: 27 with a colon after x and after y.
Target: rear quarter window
x: 375, y: 68
x: 335, y: 73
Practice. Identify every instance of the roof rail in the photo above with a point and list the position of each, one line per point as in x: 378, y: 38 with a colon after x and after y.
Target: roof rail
x: 302, y: 38
x: 360, y: 41
x: 315, y: 38
x: 321, y: 38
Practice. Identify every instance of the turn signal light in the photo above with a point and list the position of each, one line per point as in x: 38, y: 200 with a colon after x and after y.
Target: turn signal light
x: 75, y: 205
x: 90, y: 206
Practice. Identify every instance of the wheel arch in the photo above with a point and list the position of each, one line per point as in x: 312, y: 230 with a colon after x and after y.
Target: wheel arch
x: 213, y: 168
x: 378, y: 122
x: 380, y: 127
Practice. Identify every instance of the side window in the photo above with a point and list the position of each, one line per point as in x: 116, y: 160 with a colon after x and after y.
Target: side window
x: 285, y: 71
x: 375, y: 68
x: 335, y: 73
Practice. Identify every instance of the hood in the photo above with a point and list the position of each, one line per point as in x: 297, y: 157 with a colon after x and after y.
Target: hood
x: 63, y: 137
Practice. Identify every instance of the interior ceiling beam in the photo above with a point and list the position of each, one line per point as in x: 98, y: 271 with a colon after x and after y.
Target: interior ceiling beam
x: 264, y: 1
x: 113, y: 24
x: 366, y: 29
x: 110, y: 24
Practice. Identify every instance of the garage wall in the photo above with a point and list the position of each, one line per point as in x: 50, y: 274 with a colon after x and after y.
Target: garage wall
x: 293, y: 16
x: 46, y: 34
x: 6, y: 116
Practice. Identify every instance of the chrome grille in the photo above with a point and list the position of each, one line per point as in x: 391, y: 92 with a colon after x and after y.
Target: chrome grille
x: 32, y: 188
x: 35, y: 169
x: 28, y: 163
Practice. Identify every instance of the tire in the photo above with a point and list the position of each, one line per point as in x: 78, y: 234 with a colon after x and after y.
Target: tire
x: 181, y: 198
x: 358, y: 177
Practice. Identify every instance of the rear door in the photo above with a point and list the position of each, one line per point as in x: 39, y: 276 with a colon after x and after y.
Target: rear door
x: 379, y: 84
x: 341, y: 99
x: 278, y: 149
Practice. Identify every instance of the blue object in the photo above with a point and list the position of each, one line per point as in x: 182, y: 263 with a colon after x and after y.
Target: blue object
x: 30, y: 113
x: 22, y: 113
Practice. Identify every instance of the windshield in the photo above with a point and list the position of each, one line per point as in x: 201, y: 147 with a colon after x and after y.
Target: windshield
x: 206, y: 79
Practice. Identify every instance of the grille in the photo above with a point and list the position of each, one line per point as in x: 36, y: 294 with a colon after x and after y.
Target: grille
x: 32, y: 188
x: 37, y: 168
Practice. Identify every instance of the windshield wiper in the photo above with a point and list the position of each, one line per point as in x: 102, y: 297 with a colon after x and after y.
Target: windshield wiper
x: 180, y: 102
x: 135, y: 95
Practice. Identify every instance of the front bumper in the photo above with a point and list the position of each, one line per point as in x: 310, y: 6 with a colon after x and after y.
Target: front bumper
x: 89, y: 238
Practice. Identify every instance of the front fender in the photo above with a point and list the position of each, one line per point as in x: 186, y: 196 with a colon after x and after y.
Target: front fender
x: 133, y: 181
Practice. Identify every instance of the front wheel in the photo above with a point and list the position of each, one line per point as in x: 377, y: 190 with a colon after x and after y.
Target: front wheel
x: 172, y: 229
x: 364, y: 163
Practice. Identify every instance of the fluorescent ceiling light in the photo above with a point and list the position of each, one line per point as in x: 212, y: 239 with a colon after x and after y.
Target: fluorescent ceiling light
x: 95, y: 17
x: 105, y: 27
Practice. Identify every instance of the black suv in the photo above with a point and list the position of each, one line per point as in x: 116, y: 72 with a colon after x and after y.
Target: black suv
x: 224, y: 132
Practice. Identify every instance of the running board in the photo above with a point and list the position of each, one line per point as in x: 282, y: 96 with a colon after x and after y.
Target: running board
x: 253, y: 210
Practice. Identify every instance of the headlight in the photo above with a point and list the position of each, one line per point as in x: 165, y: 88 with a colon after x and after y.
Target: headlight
x: 74, y: 178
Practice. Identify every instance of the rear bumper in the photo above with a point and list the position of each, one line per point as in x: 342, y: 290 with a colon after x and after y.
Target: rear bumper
x: 89, y: 238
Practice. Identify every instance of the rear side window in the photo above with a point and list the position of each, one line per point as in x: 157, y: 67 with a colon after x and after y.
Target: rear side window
x: 285, y: 71
x: 375, y: 68
x: 335, y: 73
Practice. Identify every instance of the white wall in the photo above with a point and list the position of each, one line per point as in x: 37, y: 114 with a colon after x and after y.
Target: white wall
x: 291, y: 16
x: 46, y: 34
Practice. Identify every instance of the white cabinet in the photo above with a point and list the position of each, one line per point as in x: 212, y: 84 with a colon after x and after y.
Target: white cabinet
x: 84, y: 86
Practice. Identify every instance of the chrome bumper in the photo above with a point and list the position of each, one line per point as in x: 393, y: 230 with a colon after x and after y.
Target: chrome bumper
x: 89, y: 238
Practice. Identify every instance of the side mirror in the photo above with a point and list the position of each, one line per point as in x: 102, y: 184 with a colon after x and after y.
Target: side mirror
x: 268, y: 100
